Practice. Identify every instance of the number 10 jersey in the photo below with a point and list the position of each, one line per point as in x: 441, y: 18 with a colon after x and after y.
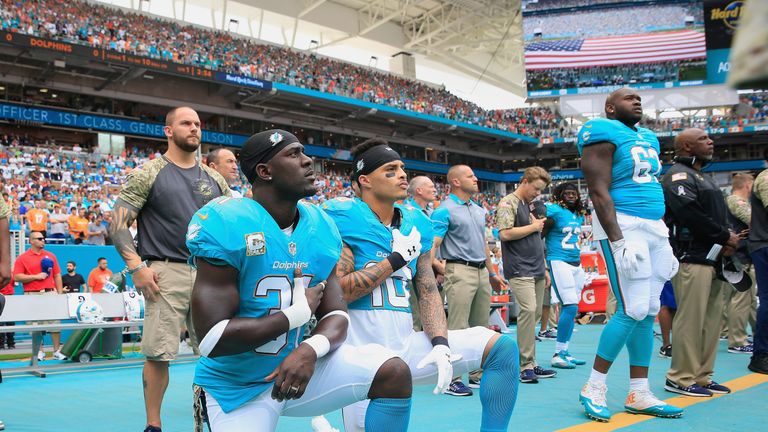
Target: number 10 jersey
x: 635, y: 186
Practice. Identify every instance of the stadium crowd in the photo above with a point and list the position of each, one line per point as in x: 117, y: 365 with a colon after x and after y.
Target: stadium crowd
x: 622, y: 20
x: 115, y: 29
x: 598, y: 76
x: 40, y: 182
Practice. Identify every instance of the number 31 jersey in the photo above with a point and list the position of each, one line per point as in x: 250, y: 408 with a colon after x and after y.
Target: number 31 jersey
x: 635, y: 186
x: 240, y: 233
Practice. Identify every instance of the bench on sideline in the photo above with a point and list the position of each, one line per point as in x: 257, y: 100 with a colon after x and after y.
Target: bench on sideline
x: 28, y: 309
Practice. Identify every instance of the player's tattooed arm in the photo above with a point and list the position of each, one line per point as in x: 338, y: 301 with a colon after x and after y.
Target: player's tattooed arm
x: 356, y: 284
x: 123, y: 216
x: 596, y: 164
x: 430, y: 301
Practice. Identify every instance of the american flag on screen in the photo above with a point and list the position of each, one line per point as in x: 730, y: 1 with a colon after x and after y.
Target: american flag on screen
x: 616, y: 50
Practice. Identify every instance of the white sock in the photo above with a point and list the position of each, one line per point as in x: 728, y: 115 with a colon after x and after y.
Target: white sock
x: 559, y: 346
x: 638, y: 384
x: 597, y: 377
x: 565, y: 346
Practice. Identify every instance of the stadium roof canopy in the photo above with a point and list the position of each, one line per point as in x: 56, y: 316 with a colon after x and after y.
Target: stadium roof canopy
x: 479, y: 39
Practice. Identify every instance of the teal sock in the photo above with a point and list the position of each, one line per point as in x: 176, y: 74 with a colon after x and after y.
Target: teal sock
x: 566, y: 322
x: 640, y: 343
x: 388, y: 414
x: 498, y: 388
x: 615, y: 335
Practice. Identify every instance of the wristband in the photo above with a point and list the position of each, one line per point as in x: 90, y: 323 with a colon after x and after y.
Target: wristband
x: 490, y: 275
x: 439, y: 340
x: 335, y: 312
x: 137, y: 268
x: 396, y: 261
x: 320, y: 344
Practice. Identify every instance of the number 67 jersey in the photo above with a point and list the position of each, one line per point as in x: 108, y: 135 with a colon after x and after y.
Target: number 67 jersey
x: 635, y: 186
x: 240, y: 233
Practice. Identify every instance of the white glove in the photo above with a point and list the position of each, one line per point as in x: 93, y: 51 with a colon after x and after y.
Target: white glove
x: 441, y: 357
x: 409, y: 247
x: 626, y: 257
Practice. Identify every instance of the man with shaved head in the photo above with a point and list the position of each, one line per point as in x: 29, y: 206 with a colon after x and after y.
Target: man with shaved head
x: 459, y: 225
x: 162, y: 196
x: 697, y: 214
x: 621, y: 164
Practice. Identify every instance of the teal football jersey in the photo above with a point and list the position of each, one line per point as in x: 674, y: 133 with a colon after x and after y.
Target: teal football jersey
x: 563, y: 237
x: 635, y: 186
x: 371, y: 242
x: 242, y: 234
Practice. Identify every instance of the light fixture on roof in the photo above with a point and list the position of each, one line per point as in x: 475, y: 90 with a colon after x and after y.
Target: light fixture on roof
x: 233, y: 25
x: 144, y: 5
x: 313, y: 44
x: 43, y: 90
x: 373, y: 62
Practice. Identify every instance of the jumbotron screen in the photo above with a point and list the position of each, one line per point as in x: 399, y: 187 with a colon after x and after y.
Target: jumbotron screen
x: 596, y: 46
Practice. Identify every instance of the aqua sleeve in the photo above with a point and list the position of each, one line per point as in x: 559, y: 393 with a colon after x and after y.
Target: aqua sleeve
x: 441, y: 219
x: 209, y: 238
x: 593, y: 132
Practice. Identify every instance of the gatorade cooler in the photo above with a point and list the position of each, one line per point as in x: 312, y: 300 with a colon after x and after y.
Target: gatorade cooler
x: 593, y: 262
x: 594, y: 296
x: 86, y: 344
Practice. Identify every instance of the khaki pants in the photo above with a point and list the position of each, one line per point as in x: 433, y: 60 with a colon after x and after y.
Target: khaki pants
x: 738, y: 309
x: 164, y: 316
x: 696, y: 326
x: 468, y: 293
x: 529, y: 296
x: 553, y: 308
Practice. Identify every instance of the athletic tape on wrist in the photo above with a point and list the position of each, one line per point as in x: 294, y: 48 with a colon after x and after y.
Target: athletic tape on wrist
x: 320, y: 344
x: 335, y: 312
x: 299, y: 312
x: 212, y: 338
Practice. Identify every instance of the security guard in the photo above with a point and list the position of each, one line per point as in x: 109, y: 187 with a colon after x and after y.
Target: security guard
x: 697, y: 216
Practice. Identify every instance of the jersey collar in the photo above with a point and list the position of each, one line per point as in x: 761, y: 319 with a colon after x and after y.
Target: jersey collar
x: 459, y: 201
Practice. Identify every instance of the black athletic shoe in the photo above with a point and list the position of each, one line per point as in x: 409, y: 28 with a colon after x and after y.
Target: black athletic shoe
x: 151, y: 428
x: 759, y: 363
x: 544, y: 373
x: 528, y: 377
x: 694, y: 390
x: 665, y: 351
x: 716, y: 388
